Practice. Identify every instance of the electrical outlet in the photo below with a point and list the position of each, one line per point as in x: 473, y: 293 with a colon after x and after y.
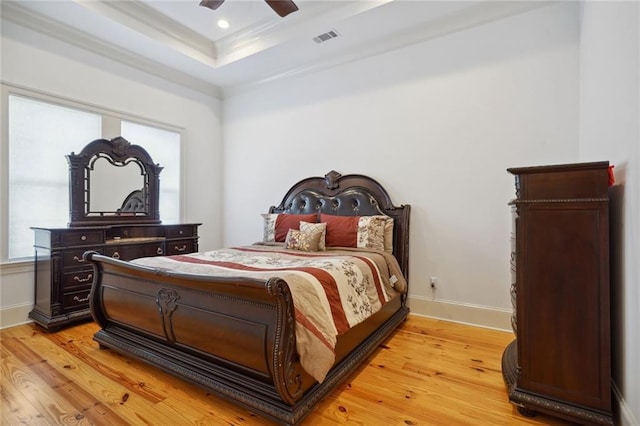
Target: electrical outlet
x: 433, y: 281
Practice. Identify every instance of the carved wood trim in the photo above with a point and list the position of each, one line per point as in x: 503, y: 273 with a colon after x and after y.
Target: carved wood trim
x: 286, y: 368
x: 166, y: 300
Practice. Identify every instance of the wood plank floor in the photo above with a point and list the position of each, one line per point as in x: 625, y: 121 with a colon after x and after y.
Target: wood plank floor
x: 429, y: 372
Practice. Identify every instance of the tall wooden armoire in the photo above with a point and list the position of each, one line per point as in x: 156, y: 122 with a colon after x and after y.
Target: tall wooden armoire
x: 560, y: 362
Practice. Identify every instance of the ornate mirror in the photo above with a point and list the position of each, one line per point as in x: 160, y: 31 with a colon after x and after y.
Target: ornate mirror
x: 113, y: 182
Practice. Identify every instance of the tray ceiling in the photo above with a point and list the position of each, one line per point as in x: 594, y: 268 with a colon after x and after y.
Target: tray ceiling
x: 181, y: 41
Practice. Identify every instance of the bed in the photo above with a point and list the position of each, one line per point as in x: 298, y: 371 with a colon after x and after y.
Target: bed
x: 242, y: 333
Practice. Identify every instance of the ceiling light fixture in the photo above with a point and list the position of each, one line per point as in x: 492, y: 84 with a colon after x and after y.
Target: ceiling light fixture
x: 223, y: 23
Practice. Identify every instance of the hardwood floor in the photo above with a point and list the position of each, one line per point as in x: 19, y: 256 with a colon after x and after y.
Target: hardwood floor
x: 430, y: 372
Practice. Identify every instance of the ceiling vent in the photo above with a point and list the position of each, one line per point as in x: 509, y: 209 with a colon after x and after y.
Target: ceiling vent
x: 326, y: 36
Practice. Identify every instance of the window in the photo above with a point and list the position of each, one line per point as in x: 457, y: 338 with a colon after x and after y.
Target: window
x: 164, y: 147
x: 41, y: 134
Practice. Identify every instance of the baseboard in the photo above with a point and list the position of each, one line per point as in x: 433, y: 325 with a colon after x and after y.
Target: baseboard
x: 15, y: 315
x: 480, y: 316
x: 627, y: 417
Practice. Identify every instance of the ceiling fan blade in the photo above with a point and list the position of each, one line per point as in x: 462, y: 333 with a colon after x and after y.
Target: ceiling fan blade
x: 211, y: 4
x: 282, y: 7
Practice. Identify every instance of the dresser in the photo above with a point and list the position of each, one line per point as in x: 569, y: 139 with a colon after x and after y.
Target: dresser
x: 62, y: 278
x: 560, y: 361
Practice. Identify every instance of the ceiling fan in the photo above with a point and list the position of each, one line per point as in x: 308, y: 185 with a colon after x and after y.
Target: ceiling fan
x: 281, y: 7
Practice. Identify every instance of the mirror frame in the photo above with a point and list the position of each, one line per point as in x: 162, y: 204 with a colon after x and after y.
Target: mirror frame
x: 116, y: 150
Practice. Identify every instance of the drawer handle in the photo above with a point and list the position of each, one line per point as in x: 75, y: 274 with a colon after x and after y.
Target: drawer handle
x: 83, y: 238
x: 84, y: 299
x: 78, y: 259
x: 83, y: 280
x: 116, y: 255
x: 159, y: 251
x: 183, y: 248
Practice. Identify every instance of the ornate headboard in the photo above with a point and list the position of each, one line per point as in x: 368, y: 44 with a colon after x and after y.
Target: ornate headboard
x: 350, y: 195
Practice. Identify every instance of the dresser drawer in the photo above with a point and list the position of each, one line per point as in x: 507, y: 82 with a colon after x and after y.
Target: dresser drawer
x: 76, y: 300
x: 82, y: 238
x: 180, y: 231
x: 73, y: 258
x: 129, y: 252
x: 180, y: 247
x: 81, y: 277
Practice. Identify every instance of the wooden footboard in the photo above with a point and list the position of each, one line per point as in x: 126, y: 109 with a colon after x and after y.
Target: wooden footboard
x: 233, y: 336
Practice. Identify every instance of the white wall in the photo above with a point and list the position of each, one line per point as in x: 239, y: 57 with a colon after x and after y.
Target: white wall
x: 610, y: 130
x: 40, y: 63
x: 437, y: 124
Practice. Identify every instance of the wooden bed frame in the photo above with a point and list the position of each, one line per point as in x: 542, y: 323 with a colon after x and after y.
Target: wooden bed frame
x: 236, y: 336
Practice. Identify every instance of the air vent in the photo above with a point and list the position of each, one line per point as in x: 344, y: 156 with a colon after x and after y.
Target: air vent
x: 326, y: 36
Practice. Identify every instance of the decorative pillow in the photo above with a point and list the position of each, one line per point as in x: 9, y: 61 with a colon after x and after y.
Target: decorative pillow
x: 277, y: 225
x: 371, y: 232
x: 355, y: 231
x: 300, y: 240
x: 342, y: 231
x: 316, y: 227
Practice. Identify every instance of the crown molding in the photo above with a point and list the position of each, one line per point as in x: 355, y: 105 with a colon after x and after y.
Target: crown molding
x: 474, y: 15
x: 261, y: 37
x: 146, y: 20
x: 317, y: 17
x: 11, y: 11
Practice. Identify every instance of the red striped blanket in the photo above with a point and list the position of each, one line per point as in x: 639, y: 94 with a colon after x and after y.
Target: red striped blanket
x: 332, y: 290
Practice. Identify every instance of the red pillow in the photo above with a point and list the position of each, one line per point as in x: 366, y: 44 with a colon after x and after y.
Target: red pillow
x: 284, y: 222
x: 342, y: 231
